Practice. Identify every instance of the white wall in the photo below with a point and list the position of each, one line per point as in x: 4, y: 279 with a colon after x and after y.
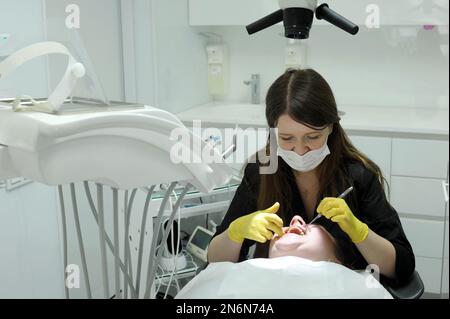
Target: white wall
x: 139, y: 38
x: 30, y: 240
x: 181, y: 58
x: 31, y: 264
x: 374, y: 68
x: 100, y: 30
x: 31, y: 78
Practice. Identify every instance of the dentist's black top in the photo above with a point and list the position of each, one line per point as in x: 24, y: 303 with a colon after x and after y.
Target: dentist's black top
x: 367, y: 201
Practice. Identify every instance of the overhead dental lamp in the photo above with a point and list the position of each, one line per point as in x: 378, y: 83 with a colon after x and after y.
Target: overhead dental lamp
x: 297, y: 17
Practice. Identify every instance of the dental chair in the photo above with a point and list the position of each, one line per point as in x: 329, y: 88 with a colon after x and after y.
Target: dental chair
x: 412, y: 289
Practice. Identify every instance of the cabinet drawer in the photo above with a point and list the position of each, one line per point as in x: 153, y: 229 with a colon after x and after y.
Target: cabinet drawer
x: 242, y: 12
x: 418, y: 196
x: 429, y: 270
x: 419, y: 158
x: 446, y: 239
x: 378, y: 149
x: 445, y: 277
x: 417, y: 230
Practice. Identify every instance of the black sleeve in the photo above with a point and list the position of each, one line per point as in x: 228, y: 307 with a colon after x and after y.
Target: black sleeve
x: 375, y: 210
x: 243, y: 203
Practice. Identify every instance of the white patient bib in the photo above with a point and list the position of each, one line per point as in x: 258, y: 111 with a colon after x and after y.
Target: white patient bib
x: 281, y: 278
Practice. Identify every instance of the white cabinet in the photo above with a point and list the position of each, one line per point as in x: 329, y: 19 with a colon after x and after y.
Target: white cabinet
x: 229, y: 12
x: 409, y: 12
x: 415, y: 169
x: 420, y: 158
x: 418, y: 168
x: 243, y: 12
x: 417, y: 230
x: 398, y: 12
x: 378, y: 149
x: 418, y: 196
x: 445, y: 265
x: 430, y: 271
x: 426, y: 238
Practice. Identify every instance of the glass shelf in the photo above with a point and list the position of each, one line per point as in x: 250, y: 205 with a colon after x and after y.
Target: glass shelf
x: 231, y: 186
x: 196, y: 203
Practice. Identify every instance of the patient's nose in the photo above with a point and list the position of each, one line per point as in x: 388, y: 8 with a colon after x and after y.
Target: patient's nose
x: 297, y: 225
x: 297, y: 221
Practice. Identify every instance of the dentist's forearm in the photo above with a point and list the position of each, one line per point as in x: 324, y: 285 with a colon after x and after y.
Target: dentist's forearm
x: 379, y: 251
x: 221, y: 248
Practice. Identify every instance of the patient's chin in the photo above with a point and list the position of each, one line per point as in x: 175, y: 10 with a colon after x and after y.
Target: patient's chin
x: 282, y: 249
x: 273, y: 253
x: 290, y: 244
x: 278, y: 249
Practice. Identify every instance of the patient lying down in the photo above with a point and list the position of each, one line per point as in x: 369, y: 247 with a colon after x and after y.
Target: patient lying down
x: 303, y: 263
x: 312, y: 242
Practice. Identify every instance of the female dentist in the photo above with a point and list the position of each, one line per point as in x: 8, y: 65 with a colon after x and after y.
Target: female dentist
x: 316, y: 163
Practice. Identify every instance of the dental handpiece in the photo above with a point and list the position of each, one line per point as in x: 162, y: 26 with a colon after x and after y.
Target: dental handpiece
x: 347, y: 191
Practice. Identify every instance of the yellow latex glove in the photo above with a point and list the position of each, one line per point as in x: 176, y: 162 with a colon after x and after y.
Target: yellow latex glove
x: 338, y: 211
x: 257, y: 226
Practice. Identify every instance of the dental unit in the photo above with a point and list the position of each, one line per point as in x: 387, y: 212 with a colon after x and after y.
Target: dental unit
x: 124, y: 147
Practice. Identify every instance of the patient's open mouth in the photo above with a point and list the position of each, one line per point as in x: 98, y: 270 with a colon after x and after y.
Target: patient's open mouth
x: 295, y: 230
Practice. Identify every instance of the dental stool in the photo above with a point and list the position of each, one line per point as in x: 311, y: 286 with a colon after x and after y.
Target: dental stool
x: 413, y: 289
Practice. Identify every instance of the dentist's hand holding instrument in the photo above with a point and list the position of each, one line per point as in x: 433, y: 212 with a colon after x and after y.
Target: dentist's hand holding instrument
x: 338, y: 211
x: 345, y: 193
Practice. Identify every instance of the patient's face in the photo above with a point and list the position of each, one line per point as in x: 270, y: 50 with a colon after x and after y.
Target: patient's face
x: 307, y: 241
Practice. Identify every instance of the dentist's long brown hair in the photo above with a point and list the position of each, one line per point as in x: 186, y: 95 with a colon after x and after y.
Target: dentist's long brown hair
x: 308, y: 99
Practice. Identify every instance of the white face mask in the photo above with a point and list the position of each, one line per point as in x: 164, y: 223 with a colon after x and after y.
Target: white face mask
x: 306, y: 162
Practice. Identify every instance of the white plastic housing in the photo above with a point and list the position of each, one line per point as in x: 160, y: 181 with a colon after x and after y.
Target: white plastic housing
x: 125, y: 149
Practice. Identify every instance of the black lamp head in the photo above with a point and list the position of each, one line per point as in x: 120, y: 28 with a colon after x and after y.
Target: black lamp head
x: 297, y: 22
x: 297, y: 17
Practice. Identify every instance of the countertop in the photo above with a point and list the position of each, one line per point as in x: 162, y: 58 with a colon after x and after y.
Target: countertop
x: 370, y: 119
